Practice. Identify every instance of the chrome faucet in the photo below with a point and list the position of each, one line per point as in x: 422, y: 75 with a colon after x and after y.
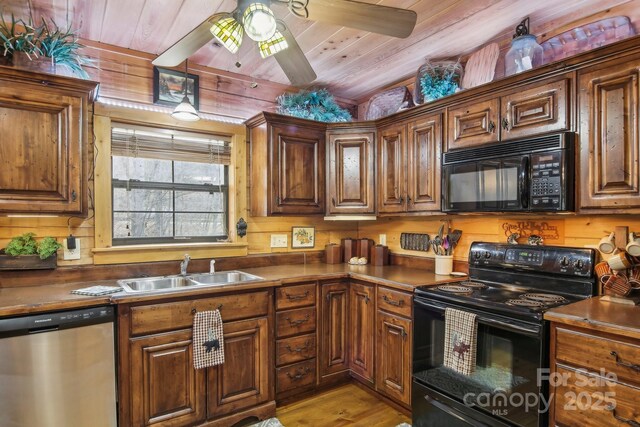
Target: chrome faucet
x: 184, y: 264
x: 212, y: 266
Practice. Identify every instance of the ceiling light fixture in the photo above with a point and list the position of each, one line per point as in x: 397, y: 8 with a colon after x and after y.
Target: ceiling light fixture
x: 275, y: 44
x: 229, y: 32
x: 259, y: 22
x: 185, y: 111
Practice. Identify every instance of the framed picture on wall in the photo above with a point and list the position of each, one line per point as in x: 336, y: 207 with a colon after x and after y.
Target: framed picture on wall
x: 169, y: 87
x: 303, y: 237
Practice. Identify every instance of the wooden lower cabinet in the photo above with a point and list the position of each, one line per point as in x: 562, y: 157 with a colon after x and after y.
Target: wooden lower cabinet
x: 393, y: 357
x: 334, y: 309
x: 242, y: 381
x: 362, y: 317
x: 166, y: 390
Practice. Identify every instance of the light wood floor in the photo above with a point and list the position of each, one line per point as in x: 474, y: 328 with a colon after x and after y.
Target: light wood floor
x: 347, y: 405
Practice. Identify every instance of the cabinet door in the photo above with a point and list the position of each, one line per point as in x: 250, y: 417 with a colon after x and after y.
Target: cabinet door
x: 393, y: 357
x: 43, y: 168
x: 244, y: 379
x: 362, y: 300
x: 423, y: 155
x: 298, y: 170
x: 609, y: 145
x: 350, y: 173
x: 333, y: 332
x: 474, y: 123
x: 391, y: 165
x: 166, y: 389
x: 541, y: 108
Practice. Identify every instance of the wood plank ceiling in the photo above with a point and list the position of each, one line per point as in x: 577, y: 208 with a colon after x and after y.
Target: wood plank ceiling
x: 352, y: 64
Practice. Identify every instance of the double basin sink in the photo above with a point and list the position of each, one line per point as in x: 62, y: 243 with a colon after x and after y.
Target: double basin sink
x: 167, y: 283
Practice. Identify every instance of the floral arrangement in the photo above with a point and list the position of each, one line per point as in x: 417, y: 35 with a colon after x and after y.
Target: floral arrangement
x: 440, y: 79
x: 45, y: 40
x: 316, y: 105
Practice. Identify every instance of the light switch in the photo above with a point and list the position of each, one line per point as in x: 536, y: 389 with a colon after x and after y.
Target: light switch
x: 382, y: 239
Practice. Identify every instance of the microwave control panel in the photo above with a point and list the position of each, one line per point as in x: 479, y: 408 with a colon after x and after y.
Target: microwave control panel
x: 546, y: 180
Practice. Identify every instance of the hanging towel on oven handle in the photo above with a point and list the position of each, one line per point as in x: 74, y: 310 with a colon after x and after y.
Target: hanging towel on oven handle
x: 208, y: 340
x: 460, y: 340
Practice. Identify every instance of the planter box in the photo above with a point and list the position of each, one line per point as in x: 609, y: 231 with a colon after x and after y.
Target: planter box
x: 27, y: 262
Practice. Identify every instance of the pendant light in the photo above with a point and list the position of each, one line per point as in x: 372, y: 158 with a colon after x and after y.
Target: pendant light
x: 185, y: 111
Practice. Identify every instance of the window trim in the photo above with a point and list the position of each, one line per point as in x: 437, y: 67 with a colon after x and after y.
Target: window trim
x: 104, y: 252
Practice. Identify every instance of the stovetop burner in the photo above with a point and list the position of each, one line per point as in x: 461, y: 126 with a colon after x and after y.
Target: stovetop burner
x: 455, y: 289
x: 544, y: 298
x: 524, y: 303
x: 472, y: 284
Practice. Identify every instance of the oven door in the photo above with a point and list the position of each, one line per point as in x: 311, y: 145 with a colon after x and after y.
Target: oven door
x: 505, y: 385
x: 494, y: 185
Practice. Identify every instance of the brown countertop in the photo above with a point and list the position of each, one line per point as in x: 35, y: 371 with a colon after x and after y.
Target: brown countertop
x: 33, y: 299
x: 599, y: 315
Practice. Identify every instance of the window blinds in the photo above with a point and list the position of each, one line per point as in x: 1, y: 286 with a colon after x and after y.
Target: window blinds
x: 164, y: 144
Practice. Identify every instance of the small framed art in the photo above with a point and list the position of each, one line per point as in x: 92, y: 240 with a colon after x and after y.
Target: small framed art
x: 169, y: 86
x: 303, y: 237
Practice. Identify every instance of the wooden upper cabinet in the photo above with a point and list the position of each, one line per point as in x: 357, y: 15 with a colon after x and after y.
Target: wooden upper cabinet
x: 362, y: 315
x: 287, y: 162
x: 334, y: 315
x: 609, y: 146
x: 424, y: 144
x: 391, y: 169
x: 168, y: 390
x: 350, y: 172
x: 44, y: 164
x: 473, y: 123
x: 535, y: 109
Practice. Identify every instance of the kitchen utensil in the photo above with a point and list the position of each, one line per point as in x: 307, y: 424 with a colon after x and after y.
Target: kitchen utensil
x: 444, y: 264
x: 454, y: 238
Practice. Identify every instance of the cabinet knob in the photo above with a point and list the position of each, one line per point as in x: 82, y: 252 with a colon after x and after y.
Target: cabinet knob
x: 74, y: 195
x: 409, y: 201
x: 333, y: 200
x: 492, y: 127
x: 505, y: 123
x: 401, y: 200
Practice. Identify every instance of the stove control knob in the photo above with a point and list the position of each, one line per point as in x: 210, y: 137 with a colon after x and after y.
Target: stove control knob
x: 477, y: 255
x: 564, y: 261
x: 578, y: 264
x: 487, y: 254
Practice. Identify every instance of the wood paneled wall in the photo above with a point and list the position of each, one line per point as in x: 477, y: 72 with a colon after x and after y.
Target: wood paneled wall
x: 578, y: 231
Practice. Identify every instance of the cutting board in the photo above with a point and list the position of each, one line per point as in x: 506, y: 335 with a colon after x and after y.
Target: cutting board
x: 481, y: 66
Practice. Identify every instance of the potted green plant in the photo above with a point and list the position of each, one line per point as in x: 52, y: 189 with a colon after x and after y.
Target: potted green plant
x: 45, y: 47
x: 25, y: 253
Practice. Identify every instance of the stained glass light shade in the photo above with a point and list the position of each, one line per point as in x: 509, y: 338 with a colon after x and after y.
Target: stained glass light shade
x: 259, y: 22
x: 275, y: 44
x: 229, y: 32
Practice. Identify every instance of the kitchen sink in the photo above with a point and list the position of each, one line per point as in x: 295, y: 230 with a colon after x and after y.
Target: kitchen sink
x: 168, y: 283
x: 223, y: 278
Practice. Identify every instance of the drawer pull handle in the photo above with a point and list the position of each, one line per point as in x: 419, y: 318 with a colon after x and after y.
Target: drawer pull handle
x: 194, y: 311
x: 297, y: 322
x: 632, y: 423
x: 300, y: 374
x: 299, y: 349
x: 291, y: 297
x: 492, y: 127
x: 389, y: 301
x: 621, y: 362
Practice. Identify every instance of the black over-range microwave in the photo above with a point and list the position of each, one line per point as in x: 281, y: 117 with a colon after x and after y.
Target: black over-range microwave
x: 526, y: 175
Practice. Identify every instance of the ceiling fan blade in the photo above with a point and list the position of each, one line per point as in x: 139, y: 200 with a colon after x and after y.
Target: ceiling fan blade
x: 386, y: 20
x: 188, y: 45
x: 293, y: 62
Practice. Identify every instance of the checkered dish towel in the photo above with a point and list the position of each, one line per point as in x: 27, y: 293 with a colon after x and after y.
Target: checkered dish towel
x: 460, y: 340
x: 208, y: 341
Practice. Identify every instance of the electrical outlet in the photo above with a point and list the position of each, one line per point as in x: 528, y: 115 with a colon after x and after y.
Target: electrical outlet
x: 382, y: 239
x: 70, y: 254
x: 279, y: 241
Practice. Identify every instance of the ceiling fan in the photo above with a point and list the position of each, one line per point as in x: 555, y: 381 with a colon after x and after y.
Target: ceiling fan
x: 255, y: 18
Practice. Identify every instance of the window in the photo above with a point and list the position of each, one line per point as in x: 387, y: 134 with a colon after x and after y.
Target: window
x: 168, y: 186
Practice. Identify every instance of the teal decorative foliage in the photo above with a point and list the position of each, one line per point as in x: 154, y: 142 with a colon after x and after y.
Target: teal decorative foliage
x: 440, y: 80
x: 316, y: 105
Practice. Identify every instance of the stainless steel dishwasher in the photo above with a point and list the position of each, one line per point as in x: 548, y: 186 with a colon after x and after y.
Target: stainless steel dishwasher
x: 58, y: 369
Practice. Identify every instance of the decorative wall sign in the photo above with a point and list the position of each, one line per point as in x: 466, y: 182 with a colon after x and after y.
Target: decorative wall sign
x: 552, y: 231
x: 303, y: 237
x: 168, y: 87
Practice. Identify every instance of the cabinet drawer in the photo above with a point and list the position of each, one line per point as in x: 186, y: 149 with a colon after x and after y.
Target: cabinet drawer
x: 295, y: 349
x: 296, y: 296
x: 293, y: 322
x: 595, y: 353
x: 295, y: 376
x: 394, y: 301
x: 178, y: 315
x: 583, y: 400
x: 473, y: 124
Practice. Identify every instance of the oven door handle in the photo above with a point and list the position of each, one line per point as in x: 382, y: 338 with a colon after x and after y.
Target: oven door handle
x: 524, y: 182
x: 509, y: 325
x: 454, y: 413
